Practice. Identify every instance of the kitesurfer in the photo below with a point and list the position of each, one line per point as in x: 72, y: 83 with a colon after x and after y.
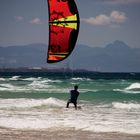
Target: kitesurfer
x: 73, y: 97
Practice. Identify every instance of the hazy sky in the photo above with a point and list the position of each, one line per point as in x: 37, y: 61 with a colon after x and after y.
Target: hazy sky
x: 102, y: 21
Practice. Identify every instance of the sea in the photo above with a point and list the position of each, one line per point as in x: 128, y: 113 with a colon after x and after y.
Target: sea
x: 108, y: 102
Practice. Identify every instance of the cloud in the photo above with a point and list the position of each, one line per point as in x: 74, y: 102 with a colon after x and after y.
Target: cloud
x: 19, y: 18
x: 115, y: 18
x: 36, y: 21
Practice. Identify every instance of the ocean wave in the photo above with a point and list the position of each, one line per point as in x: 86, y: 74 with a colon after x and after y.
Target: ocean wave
x: 45, y: 84
x: 42, y: 80
x: 53, y: 81
x: 133, y: 86
x: 7, y: 87
x: 39, y: 85
x: 34, y: 86
x: 51, y: 113
x: 13, y: 88
x: 88, y: 90
x: 2, y: 79
x: 31, y: 79
x: 14, y: 78
x: 30, y: 103
x: 127, y: 91
x: 81, y: 79
x: 130, y: 105
x: 54, y: 102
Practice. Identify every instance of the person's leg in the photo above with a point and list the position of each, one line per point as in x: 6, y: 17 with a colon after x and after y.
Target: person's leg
x: 67, y: 104
x: 75, y: 105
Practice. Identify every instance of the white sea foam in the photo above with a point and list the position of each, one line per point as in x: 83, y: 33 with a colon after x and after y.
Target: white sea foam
x: 51, y: 112
x: 39, y: 84
x: 34, y: 86
x: 32, y: 78
x: 14, y: 78
x: 87, y: 90
x: 13, y: 88
x: 7, y: 87
x: 2, y: 79
x: 81, y: 79
x: 29, y: 103
x: 127, y: 91
x: 53, y: 81
x: 120, y: 105
x: 43, y: 84
x: 133, y: 86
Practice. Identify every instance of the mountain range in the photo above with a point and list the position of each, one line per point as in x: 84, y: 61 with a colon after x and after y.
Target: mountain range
x: 114, y: 57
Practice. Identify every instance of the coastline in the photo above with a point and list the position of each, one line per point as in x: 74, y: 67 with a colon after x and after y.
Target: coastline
x: 59, y: 134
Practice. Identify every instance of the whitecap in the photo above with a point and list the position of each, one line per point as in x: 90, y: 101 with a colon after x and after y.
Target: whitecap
x: 2, y: 79
x: 14, y: 78
x: 53, y: 81
x: 130, y: 105
x: 7, y: 87
x: 30, y: 103
x: 81, y: 79
x: 12, y: 88
x: 88, y: 90
x: 39, y: 84
x: 127, y: 91
x: 54, y: 102
x: 133, y: 86
x: 32, y: 79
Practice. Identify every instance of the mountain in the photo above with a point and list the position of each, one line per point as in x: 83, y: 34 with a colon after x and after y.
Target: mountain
x: 114, y: 57
x: 33, y: 55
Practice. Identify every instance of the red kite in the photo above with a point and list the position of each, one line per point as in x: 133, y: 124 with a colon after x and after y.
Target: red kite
x: 63, y: 29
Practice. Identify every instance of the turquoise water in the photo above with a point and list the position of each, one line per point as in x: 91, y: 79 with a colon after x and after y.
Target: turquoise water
x: 110, y: 102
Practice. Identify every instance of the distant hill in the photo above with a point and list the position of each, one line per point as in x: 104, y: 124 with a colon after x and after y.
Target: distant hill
x: 115, y: 57
x: 32, y: 55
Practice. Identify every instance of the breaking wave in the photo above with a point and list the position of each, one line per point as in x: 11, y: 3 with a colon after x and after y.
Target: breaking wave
x: 2, y: 79
x: 127, y: 91
x: 133, y: 86
x: 30, y: 103
x: 81, y: 79
x: 14, y: 78
x: 120, y: 105
x: 9, y: 87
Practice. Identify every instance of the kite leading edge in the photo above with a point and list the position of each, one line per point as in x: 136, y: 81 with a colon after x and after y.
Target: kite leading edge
x: 63, y: 29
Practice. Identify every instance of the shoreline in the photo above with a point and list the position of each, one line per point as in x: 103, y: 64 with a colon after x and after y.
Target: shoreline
x: 59, y: 134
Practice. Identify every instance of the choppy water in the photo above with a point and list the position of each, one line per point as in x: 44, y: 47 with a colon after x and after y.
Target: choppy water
x: 109, y: 104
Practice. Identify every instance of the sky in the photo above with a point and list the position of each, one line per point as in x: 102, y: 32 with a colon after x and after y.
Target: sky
x: 25, y: 22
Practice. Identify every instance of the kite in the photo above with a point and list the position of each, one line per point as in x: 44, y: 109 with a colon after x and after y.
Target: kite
x: 63, y: 29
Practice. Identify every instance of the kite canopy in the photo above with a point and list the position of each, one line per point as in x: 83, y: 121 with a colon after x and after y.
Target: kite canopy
x: 63, y: 29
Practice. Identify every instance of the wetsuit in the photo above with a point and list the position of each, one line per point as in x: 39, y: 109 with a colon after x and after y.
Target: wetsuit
x: 73, y: 99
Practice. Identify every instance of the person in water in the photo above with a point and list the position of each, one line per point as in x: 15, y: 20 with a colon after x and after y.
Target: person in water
x: 73, y: 97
